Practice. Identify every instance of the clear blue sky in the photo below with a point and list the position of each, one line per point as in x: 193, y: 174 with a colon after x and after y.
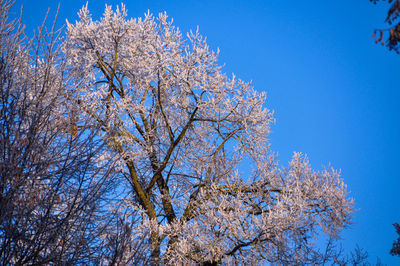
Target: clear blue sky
x: 335, y: 92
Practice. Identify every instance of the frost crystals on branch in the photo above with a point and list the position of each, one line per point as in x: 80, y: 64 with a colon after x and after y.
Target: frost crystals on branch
x: 179, y: 130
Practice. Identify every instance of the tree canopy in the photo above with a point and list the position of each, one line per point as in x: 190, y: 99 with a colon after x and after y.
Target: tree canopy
x: 395, y: 251
x: 181, y: 169
x: 393, y: 32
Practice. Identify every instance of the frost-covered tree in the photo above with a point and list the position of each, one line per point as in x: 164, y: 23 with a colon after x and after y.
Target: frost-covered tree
x: 191, y: 148
x: 51, y: 189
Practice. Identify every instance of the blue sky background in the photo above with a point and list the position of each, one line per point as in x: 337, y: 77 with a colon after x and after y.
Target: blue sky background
x: 335, y: 93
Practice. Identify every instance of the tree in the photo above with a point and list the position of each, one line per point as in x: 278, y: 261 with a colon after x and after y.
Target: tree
x: 395, y: 251
x: 393, y: 32
x: 192, y: 149
x: 52, y: 191
x: 335, y: 255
